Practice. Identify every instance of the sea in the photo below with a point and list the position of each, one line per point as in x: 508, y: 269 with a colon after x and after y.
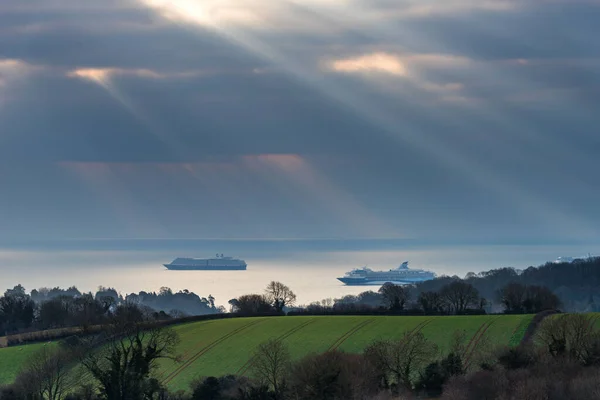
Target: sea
x: 308, y: 267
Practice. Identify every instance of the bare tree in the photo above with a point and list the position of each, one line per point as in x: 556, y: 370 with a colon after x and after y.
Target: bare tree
x: 123, y: 365
x: 279, y: 295
x: 270, y: 365
x: 512, y: 296
x: 571, y: 335
x: 540, y: 298
x: 332, y: 375
x: 528, y: 299
x: 234, y: 305
x: 395, y: 296
x: 45, y: 375
x: 431, y: 302
x: 250, y: 304
x: 460, y: 296
x: 327, y: 303
x: 401, y: 359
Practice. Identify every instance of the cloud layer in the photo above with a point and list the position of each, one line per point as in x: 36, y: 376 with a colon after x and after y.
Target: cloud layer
x: 299, y: 118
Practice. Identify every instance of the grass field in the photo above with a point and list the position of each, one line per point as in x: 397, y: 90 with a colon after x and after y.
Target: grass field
x: 221, y: 347
x: 12, y: 358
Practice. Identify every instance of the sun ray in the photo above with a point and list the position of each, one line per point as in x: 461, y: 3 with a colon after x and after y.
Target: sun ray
x: 103, y: 78
x: 339, y: 13
x: 191, y: 13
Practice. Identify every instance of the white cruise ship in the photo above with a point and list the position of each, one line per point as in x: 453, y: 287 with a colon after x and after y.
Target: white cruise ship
x: 400, y: 275
x: 219, y: 263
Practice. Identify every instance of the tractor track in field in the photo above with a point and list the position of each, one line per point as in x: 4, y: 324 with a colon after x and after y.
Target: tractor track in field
x: 339, y: 341
x: 244, y: 368
x: 472, y: 346
x: 185, y: 355
x: 205, y: 349
x: 86, y: 375
x: 419, y: 327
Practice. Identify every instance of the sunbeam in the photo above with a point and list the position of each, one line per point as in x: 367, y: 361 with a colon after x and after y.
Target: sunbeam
x: 300, y: 171
x: 191, y: 12
x: 103, y: 78
x: 251, y: 191
x: 522, y: 133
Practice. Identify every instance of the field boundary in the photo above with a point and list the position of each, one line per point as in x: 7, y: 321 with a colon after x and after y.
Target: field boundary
x: 515, y: 340
x: 534, y: 325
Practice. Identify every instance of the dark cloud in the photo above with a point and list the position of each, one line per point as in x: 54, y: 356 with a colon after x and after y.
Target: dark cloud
x: 492, y: 134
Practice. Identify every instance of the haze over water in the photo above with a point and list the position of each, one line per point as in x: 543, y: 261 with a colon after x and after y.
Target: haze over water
x: 310, y: 268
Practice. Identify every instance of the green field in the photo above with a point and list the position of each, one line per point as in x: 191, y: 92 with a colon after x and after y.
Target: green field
x: 12, y: 358
x: 221, y: 347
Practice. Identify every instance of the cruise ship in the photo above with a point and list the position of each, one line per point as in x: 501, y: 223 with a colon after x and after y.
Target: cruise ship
x: 400, y: 275
x: 560, y: 260
x: 219, y: 263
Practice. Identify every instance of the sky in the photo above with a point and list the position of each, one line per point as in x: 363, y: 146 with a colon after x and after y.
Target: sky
x: 439, y: 119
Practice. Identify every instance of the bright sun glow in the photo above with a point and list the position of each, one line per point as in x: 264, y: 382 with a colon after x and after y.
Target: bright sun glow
x: 207, y: 12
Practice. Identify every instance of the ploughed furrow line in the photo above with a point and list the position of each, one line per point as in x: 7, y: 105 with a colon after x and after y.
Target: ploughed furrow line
x: 186, y: 355
x: 404, y: 340
x: 205, y: 349
x: 419, y: 327
x: 476, y: 342
x: 351, y: 332
x: 472, y: 341
x: 244, y: 368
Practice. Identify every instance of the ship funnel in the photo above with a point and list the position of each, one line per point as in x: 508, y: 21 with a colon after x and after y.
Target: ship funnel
x: 404, y: 265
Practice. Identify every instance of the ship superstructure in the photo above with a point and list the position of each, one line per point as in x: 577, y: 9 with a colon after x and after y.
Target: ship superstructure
x: 400, y: 275
x: 219, y: 263
x: 560, y: 260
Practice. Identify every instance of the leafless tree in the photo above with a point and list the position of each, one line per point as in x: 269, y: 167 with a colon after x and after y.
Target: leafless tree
x: 45, y: 375
x: 431, y: 302
x: 332, y: 375
x: 250, y: 304
x: 279, y: 295
x: 395, y: 296
x: 540, y: 298
x: 512, y: 296
x: 402, y: 359
x: 327, y: 303
x: 527, y: 298
x: 571, y: 335
x: 129, y: 351
x: 270, y: 365
x: 460, y: 296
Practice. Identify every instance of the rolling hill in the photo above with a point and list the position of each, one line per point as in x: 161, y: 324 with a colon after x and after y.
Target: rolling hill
x: 220, y: 347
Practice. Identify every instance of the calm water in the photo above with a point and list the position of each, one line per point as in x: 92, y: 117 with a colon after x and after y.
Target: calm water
x: 310, y: 271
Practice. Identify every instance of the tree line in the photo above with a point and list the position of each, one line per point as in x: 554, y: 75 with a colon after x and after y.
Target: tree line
x: 456, y: 297
x: 55, y: 308
x: 45, y: 309
x: 576, y: 283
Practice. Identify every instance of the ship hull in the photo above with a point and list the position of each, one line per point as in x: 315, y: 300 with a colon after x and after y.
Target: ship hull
x: 375, y: 282
x: 205, y: 267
